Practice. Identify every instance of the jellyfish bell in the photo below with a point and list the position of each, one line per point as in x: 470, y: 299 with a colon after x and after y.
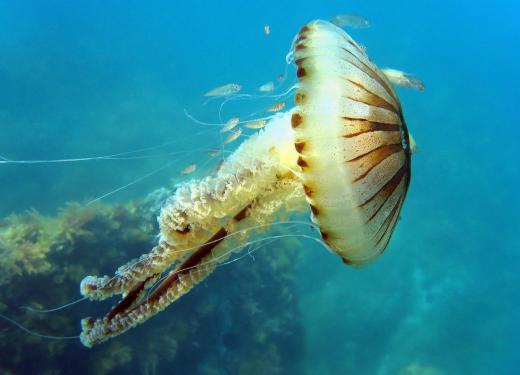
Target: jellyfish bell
x: 352, y: 142
x: 342, y: 151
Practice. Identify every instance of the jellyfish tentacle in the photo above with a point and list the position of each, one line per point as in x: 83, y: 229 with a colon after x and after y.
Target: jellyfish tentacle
x: 195, y: 222
x: 127, y: 314
x: 198, y: 207
x: 284, y: 193
x: 344, y: 149
x: 128, y: 276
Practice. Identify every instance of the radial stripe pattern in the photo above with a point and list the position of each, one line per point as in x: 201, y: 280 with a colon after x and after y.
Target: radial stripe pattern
x: 352, y: 143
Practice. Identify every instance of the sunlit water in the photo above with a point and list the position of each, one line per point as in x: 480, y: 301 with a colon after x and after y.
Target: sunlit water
x: 89, y: 80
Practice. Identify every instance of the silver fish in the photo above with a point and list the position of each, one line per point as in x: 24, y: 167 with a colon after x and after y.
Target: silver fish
x: 224, y: 90
x: 259, y: 124
x: 231, y: 124
x: 276, y: 107
x: 350, y: 20
x: 403, y: 79
x: 189, y: 169
x: 233, y: 136
x: 267, y: 87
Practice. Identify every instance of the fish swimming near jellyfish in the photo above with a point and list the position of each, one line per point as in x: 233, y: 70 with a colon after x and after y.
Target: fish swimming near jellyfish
x: 224, y: 90
x: 342, y: 154
x: 233, y: 136
x: 214, y: 152
x: 267, y: 87
x: 189, y: 169
x: 276, y: 107
x: 402, y: 79
x: 350, y: 20
x: 258, y: 124
x: 231, y: 124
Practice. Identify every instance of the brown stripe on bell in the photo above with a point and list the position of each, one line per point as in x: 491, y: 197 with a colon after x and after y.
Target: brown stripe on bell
x: 302, y: 34
x: 315, y: 210
x: 387, y: 226
x: 387, y: 189
x: 367, y: 162
x: 353, y: 118
x: 300, y: 46
x: 308, y: 190
x: 300, y: 98
x: 299, y: 146
x: 324, y: 235
x: 301, y: 70
x: 354, y: 127
x: 369, y: 69
x: 302, y: 162
x: 296, y: 120
x: 363, y: 95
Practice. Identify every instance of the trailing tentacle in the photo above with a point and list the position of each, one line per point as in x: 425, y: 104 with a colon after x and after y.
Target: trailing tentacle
x: 199, y: 207
x: 132, y: 311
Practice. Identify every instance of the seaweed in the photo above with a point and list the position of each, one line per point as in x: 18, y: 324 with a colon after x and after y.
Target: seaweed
x: 242, y: 326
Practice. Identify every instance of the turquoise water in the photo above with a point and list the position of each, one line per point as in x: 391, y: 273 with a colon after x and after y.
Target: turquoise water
x: 87, y: 80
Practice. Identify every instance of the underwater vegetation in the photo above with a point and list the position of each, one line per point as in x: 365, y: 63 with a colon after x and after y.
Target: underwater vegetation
x: 444, y: 300
x: 214, y: 330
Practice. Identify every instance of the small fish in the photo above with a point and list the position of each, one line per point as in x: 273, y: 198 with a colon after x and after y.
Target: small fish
x: 350, y: 20
x: 189, y: 169
x: 403, y: 79
x: 224, y: 90
x: 267, y: 29
x: 233, y: 121
x: 259, y: 124
x: 280, y: 78
x: 413, y: 144
x: 218, y: 167
x: 276, y: 107
x: 267, y: 87
x: 233, y: 136
x: 214, y: 152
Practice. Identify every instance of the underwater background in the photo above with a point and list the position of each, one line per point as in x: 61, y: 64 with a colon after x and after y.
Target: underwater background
x: 83, y: 79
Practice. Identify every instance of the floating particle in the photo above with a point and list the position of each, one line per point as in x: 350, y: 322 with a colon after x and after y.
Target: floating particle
x: 224, y: 90
x: 350, y: 20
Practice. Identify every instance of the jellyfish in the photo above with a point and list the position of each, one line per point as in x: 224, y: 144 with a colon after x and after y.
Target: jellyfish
x: 342, y: 153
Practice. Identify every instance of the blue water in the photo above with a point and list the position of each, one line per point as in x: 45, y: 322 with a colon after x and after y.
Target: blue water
x: 97, y: 79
